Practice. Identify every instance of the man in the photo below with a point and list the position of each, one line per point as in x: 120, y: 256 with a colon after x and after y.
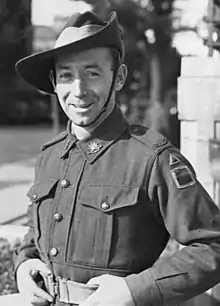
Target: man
x: 107, y: 196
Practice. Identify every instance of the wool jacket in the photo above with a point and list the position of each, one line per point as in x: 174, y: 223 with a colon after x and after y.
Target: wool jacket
x: 110, y: 203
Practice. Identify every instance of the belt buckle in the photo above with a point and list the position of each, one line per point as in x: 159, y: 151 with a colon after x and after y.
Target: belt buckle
x: 56, y: 287
x: 60, y: 289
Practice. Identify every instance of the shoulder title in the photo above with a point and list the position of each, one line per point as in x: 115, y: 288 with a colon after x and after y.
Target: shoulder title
x: 54, y: 141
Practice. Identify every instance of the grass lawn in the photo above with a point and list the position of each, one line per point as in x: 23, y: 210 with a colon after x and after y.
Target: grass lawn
x: 21, y: 143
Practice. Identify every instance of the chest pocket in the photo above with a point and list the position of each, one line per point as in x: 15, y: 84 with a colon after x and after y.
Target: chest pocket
x: 40, y: 190
x: 108, y: 198
x: 102, y: 215
x: 41, y: 195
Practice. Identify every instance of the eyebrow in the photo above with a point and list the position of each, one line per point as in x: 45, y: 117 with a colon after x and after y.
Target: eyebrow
x: 96, y: 66
x: 87, y: 66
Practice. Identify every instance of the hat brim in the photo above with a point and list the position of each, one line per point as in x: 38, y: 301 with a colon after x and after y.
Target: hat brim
x: 35, y: 69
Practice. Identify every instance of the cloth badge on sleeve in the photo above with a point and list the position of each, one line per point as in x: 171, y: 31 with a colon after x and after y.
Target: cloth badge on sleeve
x: 181, y: 173
x: 174, y: 160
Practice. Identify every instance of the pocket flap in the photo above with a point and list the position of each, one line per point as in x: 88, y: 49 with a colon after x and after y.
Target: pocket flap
x: 108, y: 198
x: 41, y: 189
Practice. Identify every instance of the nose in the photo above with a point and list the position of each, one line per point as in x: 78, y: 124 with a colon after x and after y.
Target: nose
x: 78, y: 88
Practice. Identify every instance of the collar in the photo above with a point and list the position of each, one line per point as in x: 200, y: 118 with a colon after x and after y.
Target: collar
x: 103, y: 136
x: 70, y: 142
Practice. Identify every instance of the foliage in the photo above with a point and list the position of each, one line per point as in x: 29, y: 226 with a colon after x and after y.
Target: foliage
x: 15, y: 37
x: 15, y: 43
x: 7, y: 280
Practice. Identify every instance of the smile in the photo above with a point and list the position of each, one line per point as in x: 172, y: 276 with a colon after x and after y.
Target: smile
x: 82, y: 106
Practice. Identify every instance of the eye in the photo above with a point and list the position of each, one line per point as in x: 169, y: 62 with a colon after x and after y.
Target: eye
x: 92, y: 74
x: 64, y: 77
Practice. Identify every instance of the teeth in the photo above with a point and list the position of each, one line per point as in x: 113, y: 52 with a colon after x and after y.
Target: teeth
x: 82, y: 106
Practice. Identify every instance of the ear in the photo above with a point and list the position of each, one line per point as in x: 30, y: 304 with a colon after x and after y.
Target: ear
x: 121, y: 77
x: 52, y: 79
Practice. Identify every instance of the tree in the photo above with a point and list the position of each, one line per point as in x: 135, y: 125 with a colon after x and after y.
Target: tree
x: 15, y: 37
x: 18, y: 100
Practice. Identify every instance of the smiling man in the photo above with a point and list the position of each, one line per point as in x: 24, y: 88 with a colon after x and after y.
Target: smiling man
x: 83, y: 83
x: 107, y: 195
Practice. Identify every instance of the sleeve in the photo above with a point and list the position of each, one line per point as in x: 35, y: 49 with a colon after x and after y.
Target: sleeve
x: 28, y: 250
x: 192, y: 219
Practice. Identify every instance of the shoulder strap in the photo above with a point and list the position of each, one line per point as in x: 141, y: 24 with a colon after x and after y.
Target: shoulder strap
x: 153, y: 140
x: 55, y: 140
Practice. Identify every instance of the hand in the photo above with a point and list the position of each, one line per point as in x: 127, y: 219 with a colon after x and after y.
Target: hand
x: 26, y: 284
x: 112, y: 290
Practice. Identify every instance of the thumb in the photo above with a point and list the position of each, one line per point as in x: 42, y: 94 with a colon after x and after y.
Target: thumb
x: 41, y: 267
x: 97, y: 280
x: 91, y: 300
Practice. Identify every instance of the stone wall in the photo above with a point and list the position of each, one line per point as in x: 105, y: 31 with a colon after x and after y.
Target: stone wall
x: 199, y: 112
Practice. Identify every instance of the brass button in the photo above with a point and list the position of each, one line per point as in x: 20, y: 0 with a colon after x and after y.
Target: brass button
x: 65, y: 183
x: 135, y: 129
x: 53, y: 252
x: 105, y: 205
x: 34, y: 196
x: 58, y: 217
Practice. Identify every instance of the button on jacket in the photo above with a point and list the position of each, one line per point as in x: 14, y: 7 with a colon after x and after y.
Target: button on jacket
x: 110, y: 203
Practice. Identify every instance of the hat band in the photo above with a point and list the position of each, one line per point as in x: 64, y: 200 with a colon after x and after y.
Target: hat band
x: 73, y: 34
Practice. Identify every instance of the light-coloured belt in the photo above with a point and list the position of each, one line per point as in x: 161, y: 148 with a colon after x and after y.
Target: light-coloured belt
x: 68, y: 291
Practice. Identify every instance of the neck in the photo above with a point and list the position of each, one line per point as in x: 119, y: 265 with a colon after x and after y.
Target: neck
x: 84, y: 132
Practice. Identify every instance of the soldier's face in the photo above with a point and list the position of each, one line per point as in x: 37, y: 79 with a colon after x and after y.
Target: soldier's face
x: 83, y: 82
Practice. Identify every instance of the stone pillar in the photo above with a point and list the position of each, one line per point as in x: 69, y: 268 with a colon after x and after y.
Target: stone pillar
x: 199, y: 112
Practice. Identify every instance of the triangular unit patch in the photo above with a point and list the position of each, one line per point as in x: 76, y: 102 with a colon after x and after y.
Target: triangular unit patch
x: 173, y: 160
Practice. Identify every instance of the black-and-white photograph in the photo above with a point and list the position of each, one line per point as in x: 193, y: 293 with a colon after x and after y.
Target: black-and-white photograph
x: 110, y: 152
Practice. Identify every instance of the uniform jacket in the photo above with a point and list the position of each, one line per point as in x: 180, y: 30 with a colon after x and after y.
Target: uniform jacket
x: 110, y: 203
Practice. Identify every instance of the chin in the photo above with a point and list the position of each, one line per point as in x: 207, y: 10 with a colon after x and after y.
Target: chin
x: 82, y: 122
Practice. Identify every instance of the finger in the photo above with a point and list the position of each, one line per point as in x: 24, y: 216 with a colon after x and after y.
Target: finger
x: 40, y: 293
x: 34, y: 273
x: 95, y: 280
x: 92, y: 300
x: 36, y: 301
x: 98, y: 280
x: 32, y: 267
x: 41, y: 267
x: 30, y: 299
x: 25, y: 284
x: 30, y: 288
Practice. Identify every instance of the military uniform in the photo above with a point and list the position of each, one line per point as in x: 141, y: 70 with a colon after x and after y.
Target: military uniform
x: 109, y: 204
